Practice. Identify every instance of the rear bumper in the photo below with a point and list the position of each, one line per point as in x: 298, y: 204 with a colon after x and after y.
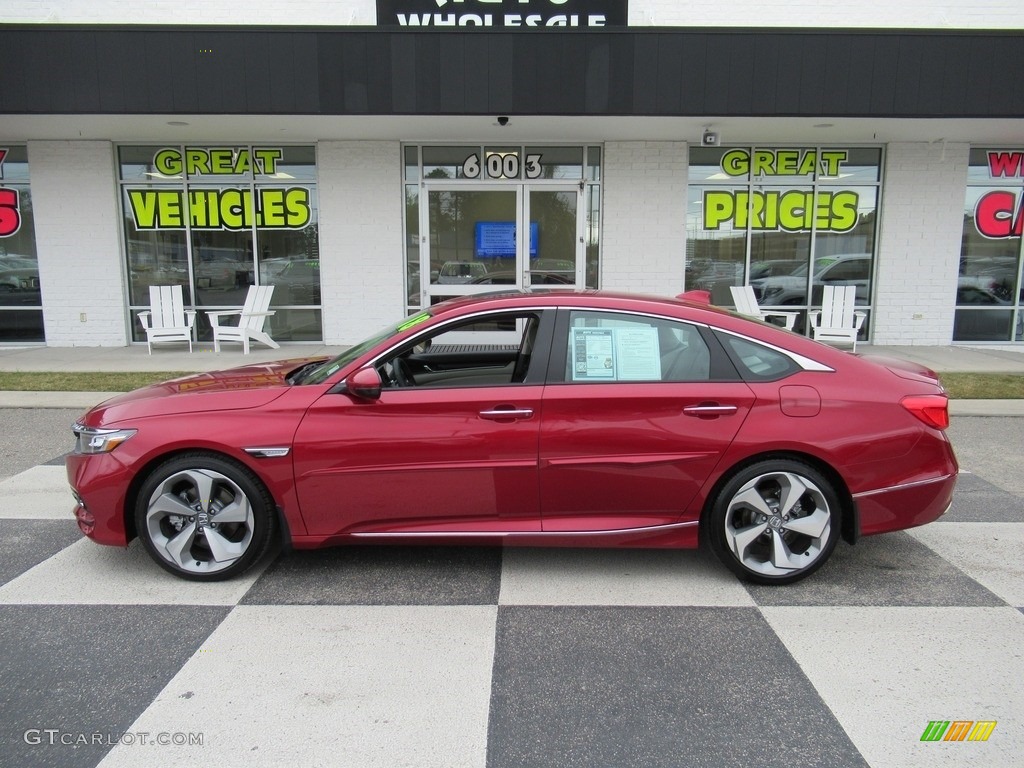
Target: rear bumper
x: 904, y: 506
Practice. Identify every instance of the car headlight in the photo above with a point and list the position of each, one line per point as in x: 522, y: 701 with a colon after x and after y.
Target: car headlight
x: 90, y: 440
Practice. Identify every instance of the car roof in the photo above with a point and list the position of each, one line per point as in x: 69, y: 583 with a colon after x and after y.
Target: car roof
x: 575, y: 297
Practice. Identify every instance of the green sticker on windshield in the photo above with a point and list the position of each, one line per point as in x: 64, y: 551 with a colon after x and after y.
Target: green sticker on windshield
x: 422, y: 317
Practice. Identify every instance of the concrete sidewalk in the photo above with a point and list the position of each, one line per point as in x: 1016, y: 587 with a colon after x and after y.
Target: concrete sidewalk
x: 136, y: 358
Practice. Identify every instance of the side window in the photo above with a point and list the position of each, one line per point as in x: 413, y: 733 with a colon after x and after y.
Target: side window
x: 608, y: 347
x: 494, y: 350
x: 757, y: 362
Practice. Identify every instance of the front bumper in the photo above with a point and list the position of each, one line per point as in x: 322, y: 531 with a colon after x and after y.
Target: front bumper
x: 99, y: 483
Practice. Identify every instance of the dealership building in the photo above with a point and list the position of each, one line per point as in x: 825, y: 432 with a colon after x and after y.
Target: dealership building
x: 369, y: 158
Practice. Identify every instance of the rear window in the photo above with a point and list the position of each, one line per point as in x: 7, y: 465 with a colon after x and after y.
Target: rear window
x: 757, y: 362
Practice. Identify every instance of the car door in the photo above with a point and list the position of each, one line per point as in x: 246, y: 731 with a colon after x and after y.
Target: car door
x: 642, y: 416
x: 455, y: 454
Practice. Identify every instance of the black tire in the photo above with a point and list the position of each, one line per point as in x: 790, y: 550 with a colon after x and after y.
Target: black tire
x: 199, y: 538
x: 775, y: 522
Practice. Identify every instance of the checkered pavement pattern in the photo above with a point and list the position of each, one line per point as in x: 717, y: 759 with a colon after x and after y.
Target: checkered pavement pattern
x: 438, y: 656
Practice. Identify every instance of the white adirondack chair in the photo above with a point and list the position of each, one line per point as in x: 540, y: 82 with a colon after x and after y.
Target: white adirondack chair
x: 167, y: 320
x: 250, y: 320
x: 746, y: 304
x: 837, y: 322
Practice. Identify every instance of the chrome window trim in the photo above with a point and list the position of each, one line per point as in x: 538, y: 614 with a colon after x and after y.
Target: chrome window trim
x: 806, y: 363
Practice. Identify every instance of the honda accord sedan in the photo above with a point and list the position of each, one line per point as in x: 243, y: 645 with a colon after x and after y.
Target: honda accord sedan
x: 559, y: 418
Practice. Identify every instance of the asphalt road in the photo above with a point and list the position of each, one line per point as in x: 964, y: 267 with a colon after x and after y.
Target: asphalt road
x: 34, y: 436
x: 372, y: 657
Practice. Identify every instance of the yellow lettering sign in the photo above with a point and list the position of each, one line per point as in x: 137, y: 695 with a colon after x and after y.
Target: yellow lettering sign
x: 217, y: 161
x: 227, y: 208
x: 782, y: 162
x: 794, y: 210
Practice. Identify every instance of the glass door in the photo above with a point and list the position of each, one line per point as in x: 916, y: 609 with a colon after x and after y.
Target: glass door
x: 556, y: 237
x: 481, y: 239
x: 471, y: 242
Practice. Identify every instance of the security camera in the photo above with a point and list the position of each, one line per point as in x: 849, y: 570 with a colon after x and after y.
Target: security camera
x: 709, y: 139
x: 502, y: 119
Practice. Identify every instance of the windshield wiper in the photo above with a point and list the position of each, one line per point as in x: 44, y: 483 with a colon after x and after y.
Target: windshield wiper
x: 300, y: 373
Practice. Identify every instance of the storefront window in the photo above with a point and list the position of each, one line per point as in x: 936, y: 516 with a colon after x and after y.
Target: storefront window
x: 990, y: 293
x: 217, y: 219
x: 21, y: 311
x: 785, y: 220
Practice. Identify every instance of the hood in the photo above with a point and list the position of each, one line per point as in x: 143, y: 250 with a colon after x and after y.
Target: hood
x: 249, y: 386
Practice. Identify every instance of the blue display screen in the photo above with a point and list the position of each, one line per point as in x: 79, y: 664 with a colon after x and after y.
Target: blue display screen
x: 497, y: 239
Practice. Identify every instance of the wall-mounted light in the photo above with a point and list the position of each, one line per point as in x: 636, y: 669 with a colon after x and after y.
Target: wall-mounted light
x: 710, y: 138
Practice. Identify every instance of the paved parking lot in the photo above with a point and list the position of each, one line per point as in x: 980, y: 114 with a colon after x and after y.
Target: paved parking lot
x: 433, y: 656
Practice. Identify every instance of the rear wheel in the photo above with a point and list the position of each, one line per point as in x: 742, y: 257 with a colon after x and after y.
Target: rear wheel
x: 204, y: 517
x: 775, y: 522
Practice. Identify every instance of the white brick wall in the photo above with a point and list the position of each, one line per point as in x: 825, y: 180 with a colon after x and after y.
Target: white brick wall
x: 333, y: 12
x: 361, y: 258
x: 643, y: 237
x: 74, y: 197
x: 919, y: 243
x: 910, y: 14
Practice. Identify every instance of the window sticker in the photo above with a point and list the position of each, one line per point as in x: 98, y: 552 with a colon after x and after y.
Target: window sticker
x: 615, y: 354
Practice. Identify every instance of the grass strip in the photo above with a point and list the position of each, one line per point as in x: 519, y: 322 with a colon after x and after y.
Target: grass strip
x: 961, y: 386
x: 82, y: 381
x: 983, y: 386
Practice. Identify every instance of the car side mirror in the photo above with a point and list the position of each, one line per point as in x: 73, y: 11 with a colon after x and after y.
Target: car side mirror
x: 364, y: 383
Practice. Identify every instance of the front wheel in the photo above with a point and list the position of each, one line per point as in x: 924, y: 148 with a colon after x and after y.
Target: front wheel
x: 204, y: 518
x: 775, y: 522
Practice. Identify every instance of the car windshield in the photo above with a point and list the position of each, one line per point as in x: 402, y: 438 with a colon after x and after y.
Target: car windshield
x: 323, y: 371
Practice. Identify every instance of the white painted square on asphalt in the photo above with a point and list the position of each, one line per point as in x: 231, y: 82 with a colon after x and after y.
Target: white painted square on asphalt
x: 87, y: 573
x: 990, y: 553
x: 887, y: 672
x: 39, y: 493
x: 330, y: 686
x: 617, y: 577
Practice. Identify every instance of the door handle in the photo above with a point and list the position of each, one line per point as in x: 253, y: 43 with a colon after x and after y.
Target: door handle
x: 506, y: 414
x: 709, y: 410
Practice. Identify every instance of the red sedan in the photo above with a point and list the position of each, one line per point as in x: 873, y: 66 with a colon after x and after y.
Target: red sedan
x: 556, y: 418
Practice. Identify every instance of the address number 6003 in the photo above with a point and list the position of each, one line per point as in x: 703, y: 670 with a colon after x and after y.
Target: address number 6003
x: 498, y: 166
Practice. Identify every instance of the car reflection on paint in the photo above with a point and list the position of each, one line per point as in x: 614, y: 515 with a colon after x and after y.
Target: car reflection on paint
x: 554, y: 418
x: 508, y: 277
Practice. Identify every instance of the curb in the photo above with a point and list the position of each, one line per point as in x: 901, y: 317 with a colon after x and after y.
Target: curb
x: 986, y: 407
x: 77, y: 400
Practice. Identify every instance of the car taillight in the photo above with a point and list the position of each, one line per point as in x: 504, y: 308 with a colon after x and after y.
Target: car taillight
x: 933, y: 410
